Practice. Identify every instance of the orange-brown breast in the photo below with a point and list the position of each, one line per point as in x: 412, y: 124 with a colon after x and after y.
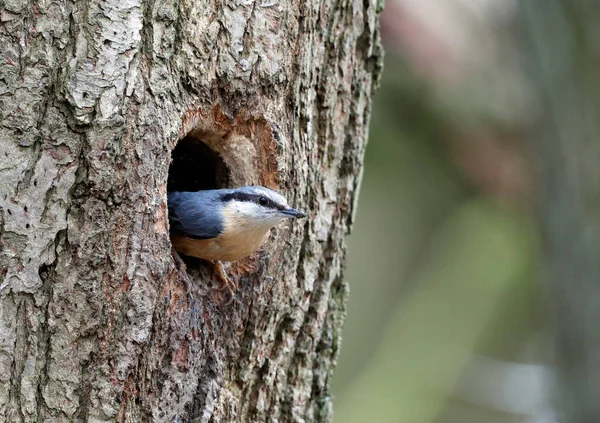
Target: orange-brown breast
x: 239, y: 239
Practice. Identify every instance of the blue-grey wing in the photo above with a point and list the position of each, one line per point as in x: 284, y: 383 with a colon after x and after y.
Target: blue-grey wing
x: 194, y: 214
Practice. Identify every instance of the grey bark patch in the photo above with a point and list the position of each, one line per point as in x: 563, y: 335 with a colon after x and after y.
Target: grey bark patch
x: 94, y: 322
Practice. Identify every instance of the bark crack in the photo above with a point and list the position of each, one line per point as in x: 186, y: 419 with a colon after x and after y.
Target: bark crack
x: 47, y: 275
x: 18, y: 361
x: 116, y: 336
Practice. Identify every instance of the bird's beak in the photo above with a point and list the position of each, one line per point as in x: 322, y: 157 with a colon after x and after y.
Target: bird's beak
x: 293, y: 213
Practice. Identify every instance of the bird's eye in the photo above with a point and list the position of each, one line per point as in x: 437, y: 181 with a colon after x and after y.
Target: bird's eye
x: 262, y: 201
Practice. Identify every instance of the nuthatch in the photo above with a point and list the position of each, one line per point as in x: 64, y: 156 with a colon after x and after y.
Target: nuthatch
x: 225, y: 224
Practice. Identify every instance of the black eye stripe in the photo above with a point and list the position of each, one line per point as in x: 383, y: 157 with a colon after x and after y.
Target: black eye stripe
x: 255, y: 198
x: 264, y: 201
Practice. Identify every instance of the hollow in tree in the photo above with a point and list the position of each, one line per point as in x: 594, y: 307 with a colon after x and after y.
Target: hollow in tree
x: 95, y: 324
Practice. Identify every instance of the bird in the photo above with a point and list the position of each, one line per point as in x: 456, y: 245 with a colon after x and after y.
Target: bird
x: 224, y: 224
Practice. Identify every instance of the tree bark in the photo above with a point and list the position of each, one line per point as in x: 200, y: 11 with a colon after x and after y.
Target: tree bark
x: 564, y: 57
x: 95, y: 323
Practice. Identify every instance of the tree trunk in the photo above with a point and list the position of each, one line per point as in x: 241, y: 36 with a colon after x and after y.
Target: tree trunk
x: 563, y: 50
x: 95, y: 323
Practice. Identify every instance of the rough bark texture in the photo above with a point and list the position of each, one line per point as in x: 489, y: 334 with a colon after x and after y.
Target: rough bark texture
x: 563, y: 37
x: 95, y: 324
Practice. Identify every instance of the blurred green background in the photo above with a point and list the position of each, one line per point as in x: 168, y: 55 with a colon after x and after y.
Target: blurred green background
x: 445, y: 322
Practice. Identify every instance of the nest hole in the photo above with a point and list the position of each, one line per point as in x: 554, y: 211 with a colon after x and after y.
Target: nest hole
x: 195, y: 166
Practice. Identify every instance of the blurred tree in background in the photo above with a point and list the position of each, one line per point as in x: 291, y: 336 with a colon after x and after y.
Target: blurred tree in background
x: 445, y: 321
x: 564, y: 64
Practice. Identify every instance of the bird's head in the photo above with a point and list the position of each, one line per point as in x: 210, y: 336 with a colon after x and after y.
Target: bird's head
x: 258, y: 205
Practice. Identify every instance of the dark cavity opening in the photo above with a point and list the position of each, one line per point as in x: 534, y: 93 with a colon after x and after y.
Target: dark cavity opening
x: 195, y: 166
